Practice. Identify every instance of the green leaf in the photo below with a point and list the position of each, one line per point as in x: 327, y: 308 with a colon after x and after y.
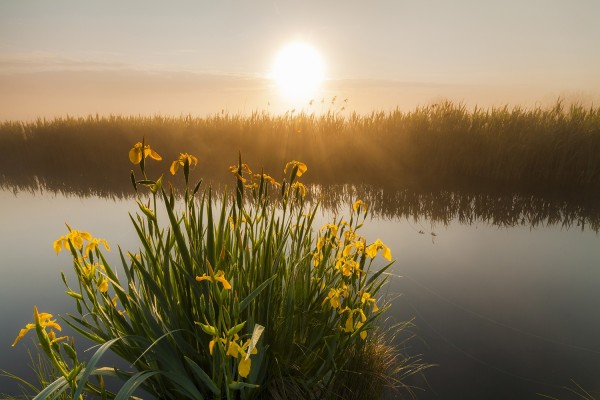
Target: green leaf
x: 181, y: 243
x: 244, y: 303
x: 241, y: 385
x: 132, y: 176
x: 133, y: 383
x: 378, y: 274
x: 199, y: 372
x: 197, y: 187
x: 57, y: 387
x: 210, y: 233
x: 188, y: 389
x: 91, y: 365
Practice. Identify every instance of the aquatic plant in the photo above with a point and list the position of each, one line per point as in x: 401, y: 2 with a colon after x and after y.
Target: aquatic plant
x: 241, y: 298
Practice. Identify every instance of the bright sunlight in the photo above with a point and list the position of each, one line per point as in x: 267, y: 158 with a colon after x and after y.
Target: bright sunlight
x: 298, y: 70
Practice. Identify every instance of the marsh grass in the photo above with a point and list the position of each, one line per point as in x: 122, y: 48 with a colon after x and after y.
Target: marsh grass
x: 443, y: 145
x: 239, y: 299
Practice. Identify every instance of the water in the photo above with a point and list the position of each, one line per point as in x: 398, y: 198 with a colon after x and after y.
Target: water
x: 505, y: 311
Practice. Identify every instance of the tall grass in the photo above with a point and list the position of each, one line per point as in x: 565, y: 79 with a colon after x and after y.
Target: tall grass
x: 443, y: 145
x: 239, y: 299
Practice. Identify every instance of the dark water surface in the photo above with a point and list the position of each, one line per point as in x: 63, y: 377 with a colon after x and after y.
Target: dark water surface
x: 507, y: 307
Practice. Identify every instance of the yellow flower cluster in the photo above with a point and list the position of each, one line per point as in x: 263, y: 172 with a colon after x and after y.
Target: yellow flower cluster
x: 352, y: 326
x: 89, y: 271
x: 140, y: 151
x: 335, y: 296
x: 358, y: 205
x: 239, y: 171
x: 349, y: 249
x: 251, y: 180
x: 77, y: 238
x: 267, y: 178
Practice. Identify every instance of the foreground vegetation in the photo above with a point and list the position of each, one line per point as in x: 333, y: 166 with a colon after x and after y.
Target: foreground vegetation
x: 442, y: 145
x: 242, y: 300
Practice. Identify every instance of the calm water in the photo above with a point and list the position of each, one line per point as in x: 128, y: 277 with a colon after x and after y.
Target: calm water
x: 505, y: 312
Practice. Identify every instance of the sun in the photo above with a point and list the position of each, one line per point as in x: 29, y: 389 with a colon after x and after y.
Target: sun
x: 298, y: 70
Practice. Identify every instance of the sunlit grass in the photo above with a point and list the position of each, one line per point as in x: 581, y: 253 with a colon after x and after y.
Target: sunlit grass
x: 445, y: 145
x: 244, y: 298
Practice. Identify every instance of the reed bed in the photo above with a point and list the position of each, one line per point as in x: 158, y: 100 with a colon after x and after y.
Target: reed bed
x: 442, y: 145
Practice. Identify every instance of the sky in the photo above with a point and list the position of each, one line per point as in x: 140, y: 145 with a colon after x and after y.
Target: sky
x: 79, y: 58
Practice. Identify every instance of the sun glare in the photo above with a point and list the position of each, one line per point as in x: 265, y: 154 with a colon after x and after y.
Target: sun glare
x: 298, y: 71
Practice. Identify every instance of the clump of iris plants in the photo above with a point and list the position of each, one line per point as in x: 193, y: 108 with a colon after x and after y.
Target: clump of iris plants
x: 235, y: 296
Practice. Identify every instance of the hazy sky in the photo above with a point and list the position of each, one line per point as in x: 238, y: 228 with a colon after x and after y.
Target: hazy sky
x: 74, y: 57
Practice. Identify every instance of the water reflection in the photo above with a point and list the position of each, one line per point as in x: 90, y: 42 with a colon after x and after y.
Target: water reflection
x: 439, y: 206
x: 505, y: 313
x: 468, y: 207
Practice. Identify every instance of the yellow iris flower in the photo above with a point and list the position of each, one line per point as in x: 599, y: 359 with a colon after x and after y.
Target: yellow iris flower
x: 238, y: 351
x: 317, y: 258
x: 358, y: 205
x: 267, y: 178
x: 43, y: 319
x: 347, y: 266
x: 137, y: 152
x: 94, y: 243
x: 366, y: 298
x: 103, y: 284
x: 54, y: 339
x: 372, y: 250
x: 89, y: 270
x: 354, y: 248
x: 301, y: 188
x: 350, y: 326
x: 302, y: 168
x: 76, y: 237
x: 320, y: 243
x: 331, y: 227
x: 334, y: 298
x: 183, y: 157
x: 219, y: 277
x: 245, y: 168
x: 350, y: 235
